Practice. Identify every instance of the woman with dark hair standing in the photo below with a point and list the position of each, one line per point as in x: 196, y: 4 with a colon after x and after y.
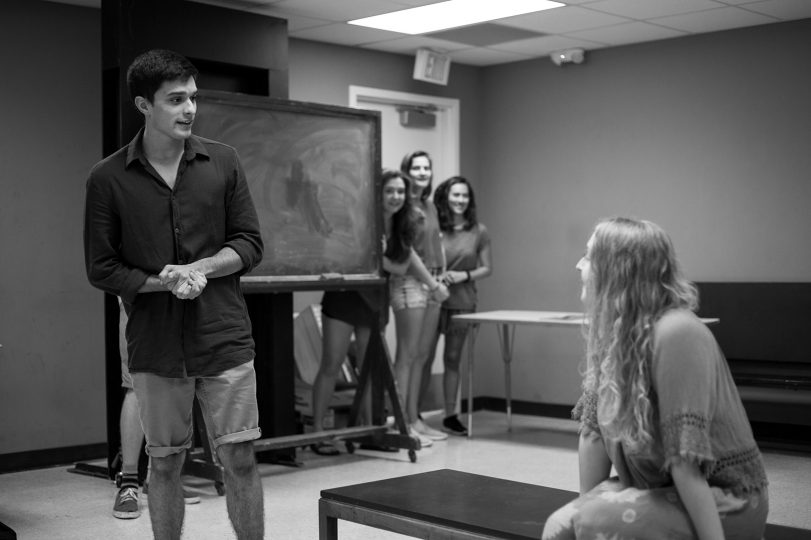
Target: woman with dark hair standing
x: 358, y: 312
x: 416, y: 305
x: 466, y: 244
x: 659, y: 405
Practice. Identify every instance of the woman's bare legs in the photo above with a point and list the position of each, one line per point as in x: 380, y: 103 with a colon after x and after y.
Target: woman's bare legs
x: 408, y: 323
x: 336, y: 336
x: 454, y: 343
x: 425, y: 356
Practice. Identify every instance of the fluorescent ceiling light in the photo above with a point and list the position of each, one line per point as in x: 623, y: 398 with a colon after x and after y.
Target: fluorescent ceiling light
x: 451, y: 14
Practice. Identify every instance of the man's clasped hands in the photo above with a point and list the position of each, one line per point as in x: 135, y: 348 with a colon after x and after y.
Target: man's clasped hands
x: 183, y: 281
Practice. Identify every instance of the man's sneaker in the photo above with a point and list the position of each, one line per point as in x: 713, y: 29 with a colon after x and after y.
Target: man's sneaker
x: 126, y: 503
x: 452, y: 425
x: 424, y: 429
x: 188, y: 496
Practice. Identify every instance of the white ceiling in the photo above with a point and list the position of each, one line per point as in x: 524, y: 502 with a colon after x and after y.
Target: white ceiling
x: 586, y: 24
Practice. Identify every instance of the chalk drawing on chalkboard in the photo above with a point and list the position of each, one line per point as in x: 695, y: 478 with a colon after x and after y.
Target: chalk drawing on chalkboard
x: 312, y: 172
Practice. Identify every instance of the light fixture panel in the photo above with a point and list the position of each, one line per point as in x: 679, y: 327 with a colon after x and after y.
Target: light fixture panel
x: 451, y: 14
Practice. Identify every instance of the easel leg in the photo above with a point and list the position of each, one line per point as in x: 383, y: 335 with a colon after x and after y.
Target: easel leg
x: 377, y: 371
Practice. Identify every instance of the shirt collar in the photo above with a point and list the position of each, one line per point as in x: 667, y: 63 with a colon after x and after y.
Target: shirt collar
x: 192, y: 147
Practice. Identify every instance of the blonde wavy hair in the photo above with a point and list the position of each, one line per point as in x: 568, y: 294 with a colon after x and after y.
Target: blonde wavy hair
x: 634, y: 278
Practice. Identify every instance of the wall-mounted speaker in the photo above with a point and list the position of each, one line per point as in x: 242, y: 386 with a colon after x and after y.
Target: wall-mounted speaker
x: 431, y: 66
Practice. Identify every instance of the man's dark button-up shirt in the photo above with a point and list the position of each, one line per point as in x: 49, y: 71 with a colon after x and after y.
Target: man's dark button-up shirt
x: 135, y: 225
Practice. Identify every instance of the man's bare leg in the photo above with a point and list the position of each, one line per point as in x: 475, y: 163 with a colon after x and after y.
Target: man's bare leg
x: 243, y: 490
x: 166, y: 507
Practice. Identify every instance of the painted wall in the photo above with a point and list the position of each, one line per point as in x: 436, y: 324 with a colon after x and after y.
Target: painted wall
x: 51, y: 362
x: 707, y: 136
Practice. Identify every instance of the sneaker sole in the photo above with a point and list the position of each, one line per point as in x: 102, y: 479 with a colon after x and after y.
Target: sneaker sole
x: 434, y: 435
x: 126, y: 515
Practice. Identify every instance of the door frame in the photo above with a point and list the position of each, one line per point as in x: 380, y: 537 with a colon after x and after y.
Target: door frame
x: 449, y: 106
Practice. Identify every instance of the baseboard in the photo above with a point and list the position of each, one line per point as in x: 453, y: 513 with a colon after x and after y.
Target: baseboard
x: 788, y: 437
x: 38, y: 459
x: 529, y: 408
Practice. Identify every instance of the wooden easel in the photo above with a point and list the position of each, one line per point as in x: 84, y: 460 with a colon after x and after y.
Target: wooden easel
x: 376, y: 371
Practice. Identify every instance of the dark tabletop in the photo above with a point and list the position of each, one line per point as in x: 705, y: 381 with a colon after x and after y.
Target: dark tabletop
x: 460, y: 500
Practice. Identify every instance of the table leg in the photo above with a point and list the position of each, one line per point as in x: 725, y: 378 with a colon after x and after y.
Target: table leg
x: 327, y: 523
x: 506, y: 337
x: 471, y: 345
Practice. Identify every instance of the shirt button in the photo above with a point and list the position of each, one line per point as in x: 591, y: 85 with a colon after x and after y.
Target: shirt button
x: 177, y: 230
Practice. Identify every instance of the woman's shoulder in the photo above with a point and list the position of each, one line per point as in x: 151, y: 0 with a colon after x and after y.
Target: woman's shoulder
x: 680, y: 324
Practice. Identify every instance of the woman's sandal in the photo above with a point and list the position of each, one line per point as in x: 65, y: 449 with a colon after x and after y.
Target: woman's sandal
x: 325, y: 448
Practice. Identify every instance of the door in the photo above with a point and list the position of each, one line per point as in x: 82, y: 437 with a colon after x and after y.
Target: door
x: 441, y: 141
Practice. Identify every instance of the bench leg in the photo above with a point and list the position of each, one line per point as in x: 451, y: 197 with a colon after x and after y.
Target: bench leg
x: 327, y: 524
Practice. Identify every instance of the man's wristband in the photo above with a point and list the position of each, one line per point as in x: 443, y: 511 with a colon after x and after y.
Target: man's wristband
x: 468, y: 274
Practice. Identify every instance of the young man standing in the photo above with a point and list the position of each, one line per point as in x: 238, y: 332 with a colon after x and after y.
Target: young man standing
x: 169, y: 227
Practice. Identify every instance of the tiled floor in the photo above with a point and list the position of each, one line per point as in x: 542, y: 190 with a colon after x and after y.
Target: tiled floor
x: 55, y: 504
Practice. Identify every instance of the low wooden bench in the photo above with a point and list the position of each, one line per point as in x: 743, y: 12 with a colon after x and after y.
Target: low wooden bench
x: 448, y: 504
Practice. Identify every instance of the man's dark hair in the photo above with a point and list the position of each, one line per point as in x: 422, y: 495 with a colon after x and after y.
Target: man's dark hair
x: 151, y: 69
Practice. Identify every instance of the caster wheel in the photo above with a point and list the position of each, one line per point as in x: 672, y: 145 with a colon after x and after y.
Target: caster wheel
x: 350, y: 447
x: 220, y: 487
x: 412, y: 455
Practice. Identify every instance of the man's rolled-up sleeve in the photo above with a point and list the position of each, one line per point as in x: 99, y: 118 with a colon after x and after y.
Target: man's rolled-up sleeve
x: 243, y: 233
x: 102, y: 238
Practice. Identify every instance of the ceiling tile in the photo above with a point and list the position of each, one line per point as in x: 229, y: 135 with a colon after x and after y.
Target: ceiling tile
x: 713, y: 20
x: 782, y: 9
x: 341, y: 10
x: 562, y: 20
x: 409, y: 45
x: 544, y: 45
x: 344, y: 34
x: 416, y: 3
x: 646, y: 9
x: 481, y: 56
x: 484, y: 34
x: 294, y: 22
x: 623, y: 34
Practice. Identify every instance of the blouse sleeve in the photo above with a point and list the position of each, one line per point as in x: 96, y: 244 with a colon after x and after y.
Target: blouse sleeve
x: 684, y: 378
x: 585, y: 412
x: 484, y: 238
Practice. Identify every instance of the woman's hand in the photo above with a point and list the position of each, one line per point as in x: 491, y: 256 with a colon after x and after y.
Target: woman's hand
x: 452, y: 277
x: 696, y: 495
x: 440, y: 293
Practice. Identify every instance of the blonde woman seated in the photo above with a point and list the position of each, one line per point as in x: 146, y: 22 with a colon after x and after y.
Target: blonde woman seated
x: 658, y: 404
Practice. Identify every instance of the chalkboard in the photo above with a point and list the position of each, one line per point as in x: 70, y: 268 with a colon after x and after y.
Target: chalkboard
x: 313, y: 174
